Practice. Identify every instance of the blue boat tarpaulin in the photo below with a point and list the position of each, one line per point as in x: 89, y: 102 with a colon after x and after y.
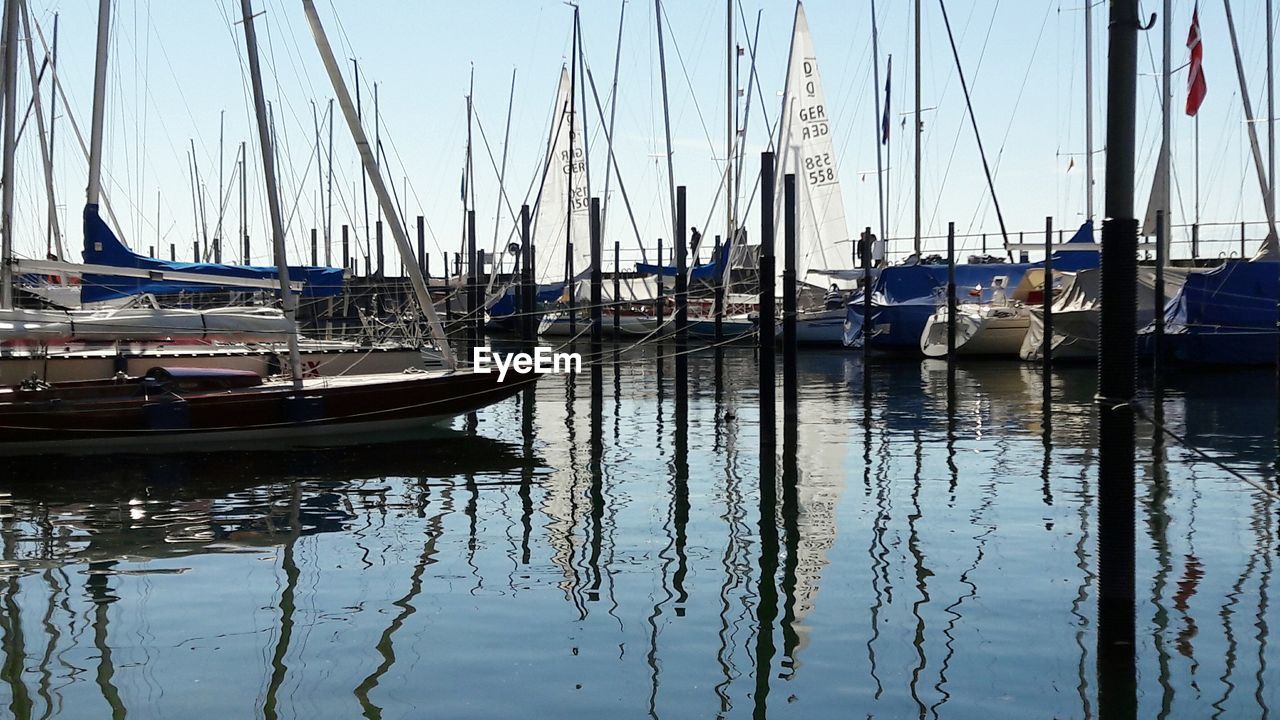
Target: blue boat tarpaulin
x: 706, y: 271
x: 102, y: 247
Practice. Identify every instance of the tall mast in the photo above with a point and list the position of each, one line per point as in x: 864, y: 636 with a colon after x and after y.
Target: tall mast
x: 613, y: 109
x: 364, y: 181
x: 666, y: 115
x: 99, y: 101
x: 730, y: 125
x: 1263, y: 181
x: 879, y: 135
x: 1166, y: 107
x: 54, y: 233
x: 398, y: 232
x: 1271, y: 116
x: 571, y: 161
x: 273, y: 197
x: 54, y: 239
x: 243, y: 240
x: 919, y: 129
x: 377, y: 143
x: 1088, y: 109
x: 328, y: 210
x: 10, y: 143
x: 582, y: 97
x: 217, y: 231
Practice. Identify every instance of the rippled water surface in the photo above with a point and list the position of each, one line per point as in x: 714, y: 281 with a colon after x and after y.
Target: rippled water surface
x: 559, y: 557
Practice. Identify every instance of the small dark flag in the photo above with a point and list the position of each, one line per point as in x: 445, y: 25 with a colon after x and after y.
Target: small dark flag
x: 884, y: 121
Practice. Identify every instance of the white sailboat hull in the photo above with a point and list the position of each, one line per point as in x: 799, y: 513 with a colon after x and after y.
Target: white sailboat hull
x: 980, y: 331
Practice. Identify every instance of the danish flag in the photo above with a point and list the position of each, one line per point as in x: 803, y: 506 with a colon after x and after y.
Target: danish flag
x: 1196, y: 87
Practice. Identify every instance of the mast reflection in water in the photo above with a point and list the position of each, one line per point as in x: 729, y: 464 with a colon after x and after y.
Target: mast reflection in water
x: 594, y: 548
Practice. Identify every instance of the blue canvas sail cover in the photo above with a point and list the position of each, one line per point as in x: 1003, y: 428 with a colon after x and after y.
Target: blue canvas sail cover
x: 705, y: 271
x: 102, y: 247
x: 1224, y: 316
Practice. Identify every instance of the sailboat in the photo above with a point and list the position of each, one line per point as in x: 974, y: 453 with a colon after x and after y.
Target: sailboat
x: 805, y: 148
x: 176, y: 406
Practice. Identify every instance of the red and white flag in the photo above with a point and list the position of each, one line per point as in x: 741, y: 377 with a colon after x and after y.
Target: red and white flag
x: 1196, y: 87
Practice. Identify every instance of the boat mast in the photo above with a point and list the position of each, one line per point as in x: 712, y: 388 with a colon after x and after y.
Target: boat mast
x: 398, y: 232
x: 94, y: 189
x: 1166, y: 107
x: 730, y: 126
x: 54, y: 239
x: 328, y: 212
x: 244, y: 202
x: 1249, y: 126
x: 613, y: 108
x: 10, y: 143
x: 919, y: 129
x: 879, y: 135
x: 1271, y: 116
x: 1088, y: 109
x: 53, y: 232
x: 273, y: 198
x: 666, y: 115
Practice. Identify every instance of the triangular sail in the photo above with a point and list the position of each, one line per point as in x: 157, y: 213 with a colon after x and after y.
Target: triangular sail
x: 806, y: 148
x: 553, y: 223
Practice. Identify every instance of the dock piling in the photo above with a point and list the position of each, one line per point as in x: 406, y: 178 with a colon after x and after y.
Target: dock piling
x: 952, y: 309
x: 1046, y: 342
x: 789, y: 389
x: 768, y: 412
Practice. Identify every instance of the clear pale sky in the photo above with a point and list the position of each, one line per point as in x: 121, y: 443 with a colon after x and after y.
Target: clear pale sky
x: 175, y: 66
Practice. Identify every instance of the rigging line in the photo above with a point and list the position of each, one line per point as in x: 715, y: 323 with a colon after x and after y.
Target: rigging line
x: 1004, y: 141
x: 502, y: 190
x: 689, y: 82
x: 617, y: 171
x: 973, y: 120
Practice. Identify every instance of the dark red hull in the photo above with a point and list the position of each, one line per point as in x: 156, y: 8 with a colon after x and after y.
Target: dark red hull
x: 232, y: 405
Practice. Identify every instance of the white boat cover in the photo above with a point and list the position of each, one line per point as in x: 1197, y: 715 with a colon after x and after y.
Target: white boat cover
x: 1076, y: 311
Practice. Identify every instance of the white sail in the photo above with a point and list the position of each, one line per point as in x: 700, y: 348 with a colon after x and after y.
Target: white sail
x: 553, y: 223
x: 806, y: 148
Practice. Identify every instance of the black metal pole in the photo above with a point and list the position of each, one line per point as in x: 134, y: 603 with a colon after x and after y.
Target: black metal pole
x: 682, y: 273
x: 1046, y: 342
x: 422, y: 245
x: 473, y: 280
x: 529, y: 292
x: 314, y: 248
x: 1117, y: 672
x: 382, y: 258
x: 658, y: 294
x: 952, y: 309
x: 1157, y: 335
x: 868, y: 287
x: 570, y: 291
x: 617, y: 287
x: 682, y: 310
x: 789, y: 390
x: 718, y: 300
x: 768, y: 413
x: 597, y: 296
x: 346, y: 247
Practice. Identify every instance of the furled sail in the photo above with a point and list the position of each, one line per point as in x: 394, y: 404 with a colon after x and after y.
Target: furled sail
x: 806, y: 148
x: 101, y: 247
x: 564, y: 181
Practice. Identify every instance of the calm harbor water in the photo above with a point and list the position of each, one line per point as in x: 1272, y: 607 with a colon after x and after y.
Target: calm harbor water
x: 555, y: 556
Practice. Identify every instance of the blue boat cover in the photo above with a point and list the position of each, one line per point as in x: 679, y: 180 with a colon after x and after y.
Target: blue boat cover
x: 1226, y: 316
x: 705, y: 271
x: 102, y: 247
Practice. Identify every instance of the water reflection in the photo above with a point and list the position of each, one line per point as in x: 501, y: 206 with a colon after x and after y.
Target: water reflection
x: 918, y: 543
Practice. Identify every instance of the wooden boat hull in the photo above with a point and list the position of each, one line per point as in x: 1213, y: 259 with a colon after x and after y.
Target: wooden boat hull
x: 80, y: 417
x: 52, y: 365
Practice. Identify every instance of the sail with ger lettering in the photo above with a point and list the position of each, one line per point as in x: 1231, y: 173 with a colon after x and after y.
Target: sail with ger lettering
x: 560, y: 217
x: 806, y: 148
